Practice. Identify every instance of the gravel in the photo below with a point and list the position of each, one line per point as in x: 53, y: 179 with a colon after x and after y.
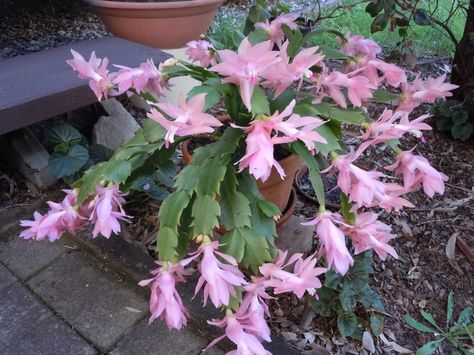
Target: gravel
x: 28, y: 26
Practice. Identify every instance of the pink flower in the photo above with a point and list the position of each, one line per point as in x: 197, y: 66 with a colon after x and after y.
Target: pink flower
x: 391, y: 200
x: 283, y: 74
x: 297, y: 127
x: 391, y: 73
x: 237, y: 332
x: 420, y: 91
x: 146, y: 77
x: 364, y: 188
x: 219, y: 279
x: 274, y: 28
x: 358, y: 46
x: 416, y: 171
x: 253, y: 308
x: 189, y: 118
x: 165, y: 301
x: 61, y: 217
x: 369, y: 233
x: 387, y: 128
x: 304, y: 277
x: 358, y: 88
x: 95, y: 70
x: 359, y: 185
x: 433, y: 88
x: 261, y: 139
x: 202, y: 52
x: 107, y: 211
x: 333, y: 242
x: 246, y: 67
x: 259, y: 151
x: 42, y: 227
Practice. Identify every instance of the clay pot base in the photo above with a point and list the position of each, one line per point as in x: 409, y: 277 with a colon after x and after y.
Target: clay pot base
x: 164, y: 25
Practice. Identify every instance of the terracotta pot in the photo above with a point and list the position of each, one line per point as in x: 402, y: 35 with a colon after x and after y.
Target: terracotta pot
x: 163, y: 25
x: 275, y: 189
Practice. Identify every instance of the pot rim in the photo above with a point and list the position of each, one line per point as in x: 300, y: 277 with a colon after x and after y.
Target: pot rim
x: 151, y: 5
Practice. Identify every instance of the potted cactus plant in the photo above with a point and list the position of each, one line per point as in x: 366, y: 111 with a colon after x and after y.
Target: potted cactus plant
x: 287, y: 98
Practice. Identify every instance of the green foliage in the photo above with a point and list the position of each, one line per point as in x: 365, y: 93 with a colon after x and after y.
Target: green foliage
x: 451, y: 116
x: 71, y: 153
x: 458, y: 335
x: 400, y: 31
x: 341, y: 296
x: 250, y: 238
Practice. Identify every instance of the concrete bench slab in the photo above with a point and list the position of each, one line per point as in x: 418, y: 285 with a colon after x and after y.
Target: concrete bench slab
x: 41, y: 85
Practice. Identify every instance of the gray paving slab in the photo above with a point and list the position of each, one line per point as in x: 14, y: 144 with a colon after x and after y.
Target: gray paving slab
x: 156, y: 339
x: 96, y: 301
x: 25, y: 258
x: 28, y: 327
x: 6, y: 277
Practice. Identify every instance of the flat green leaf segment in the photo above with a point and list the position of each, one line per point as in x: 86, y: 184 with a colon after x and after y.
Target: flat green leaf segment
x: 251, y: 229
x: 194, y: 208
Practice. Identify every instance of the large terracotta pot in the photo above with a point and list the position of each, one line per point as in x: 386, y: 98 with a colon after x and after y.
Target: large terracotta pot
x: 163, y: 25
x: 275, y: 189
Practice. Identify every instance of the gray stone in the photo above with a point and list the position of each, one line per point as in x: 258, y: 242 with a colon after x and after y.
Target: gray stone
x: 6, y: 277
x: 96, y: 301
x: 115, y: 129
x: 295, y: 237
x: 29, y: 156
x: 25, y: 258
x: 156, y: 339
x: 28, y: 327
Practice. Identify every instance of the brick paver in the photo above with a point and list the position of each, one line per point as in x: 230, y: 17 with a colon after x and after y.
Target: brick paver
x: 25, y: 258
x: 96, y: 301
x: 27, y: 327
x: 6, y: 277
x: 156, y: 339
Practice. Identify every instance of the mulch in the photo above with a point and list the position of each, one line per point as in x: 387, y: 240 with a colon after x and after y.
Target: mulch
x: 28, y: 26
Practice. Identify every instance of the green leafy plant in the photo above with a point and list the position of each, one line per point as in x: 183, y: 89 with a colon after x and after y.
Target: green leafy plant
x: 71, y: 152
x: 351, y: 299
x: 456, y: 335
x: 451, y: 116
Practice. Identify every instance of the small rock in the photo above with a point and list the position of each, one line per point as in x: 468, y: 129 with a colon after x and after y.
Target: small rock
x: 111, y: 131
x: 289, y: 336
x: 295, y: 237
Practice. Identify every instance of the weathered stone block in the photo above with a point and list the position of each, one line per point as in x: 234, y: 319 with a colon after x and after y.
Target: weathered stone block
x: 111, y: 131
x: 156, y: 339
x: 96, y: 301
x: 27, y: 327
x: 25, y: 258
x: 295, y: 237
x: 6, y: 277
x: 27, y: 154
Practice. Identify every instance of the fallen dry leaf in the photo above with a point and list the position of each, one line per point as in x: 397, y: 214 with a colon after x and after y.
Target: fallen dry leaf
x: 451, y: 246
x: 394, y: 346
x: 368, y: 342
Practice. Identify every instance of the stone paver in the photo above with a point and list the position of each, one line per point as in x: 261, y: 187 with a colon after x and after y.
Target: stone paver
x: 6, y: 277
x: 156, y: 339
x: 91, y: 298
x: 28, y: 327
x: 25, y: 258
